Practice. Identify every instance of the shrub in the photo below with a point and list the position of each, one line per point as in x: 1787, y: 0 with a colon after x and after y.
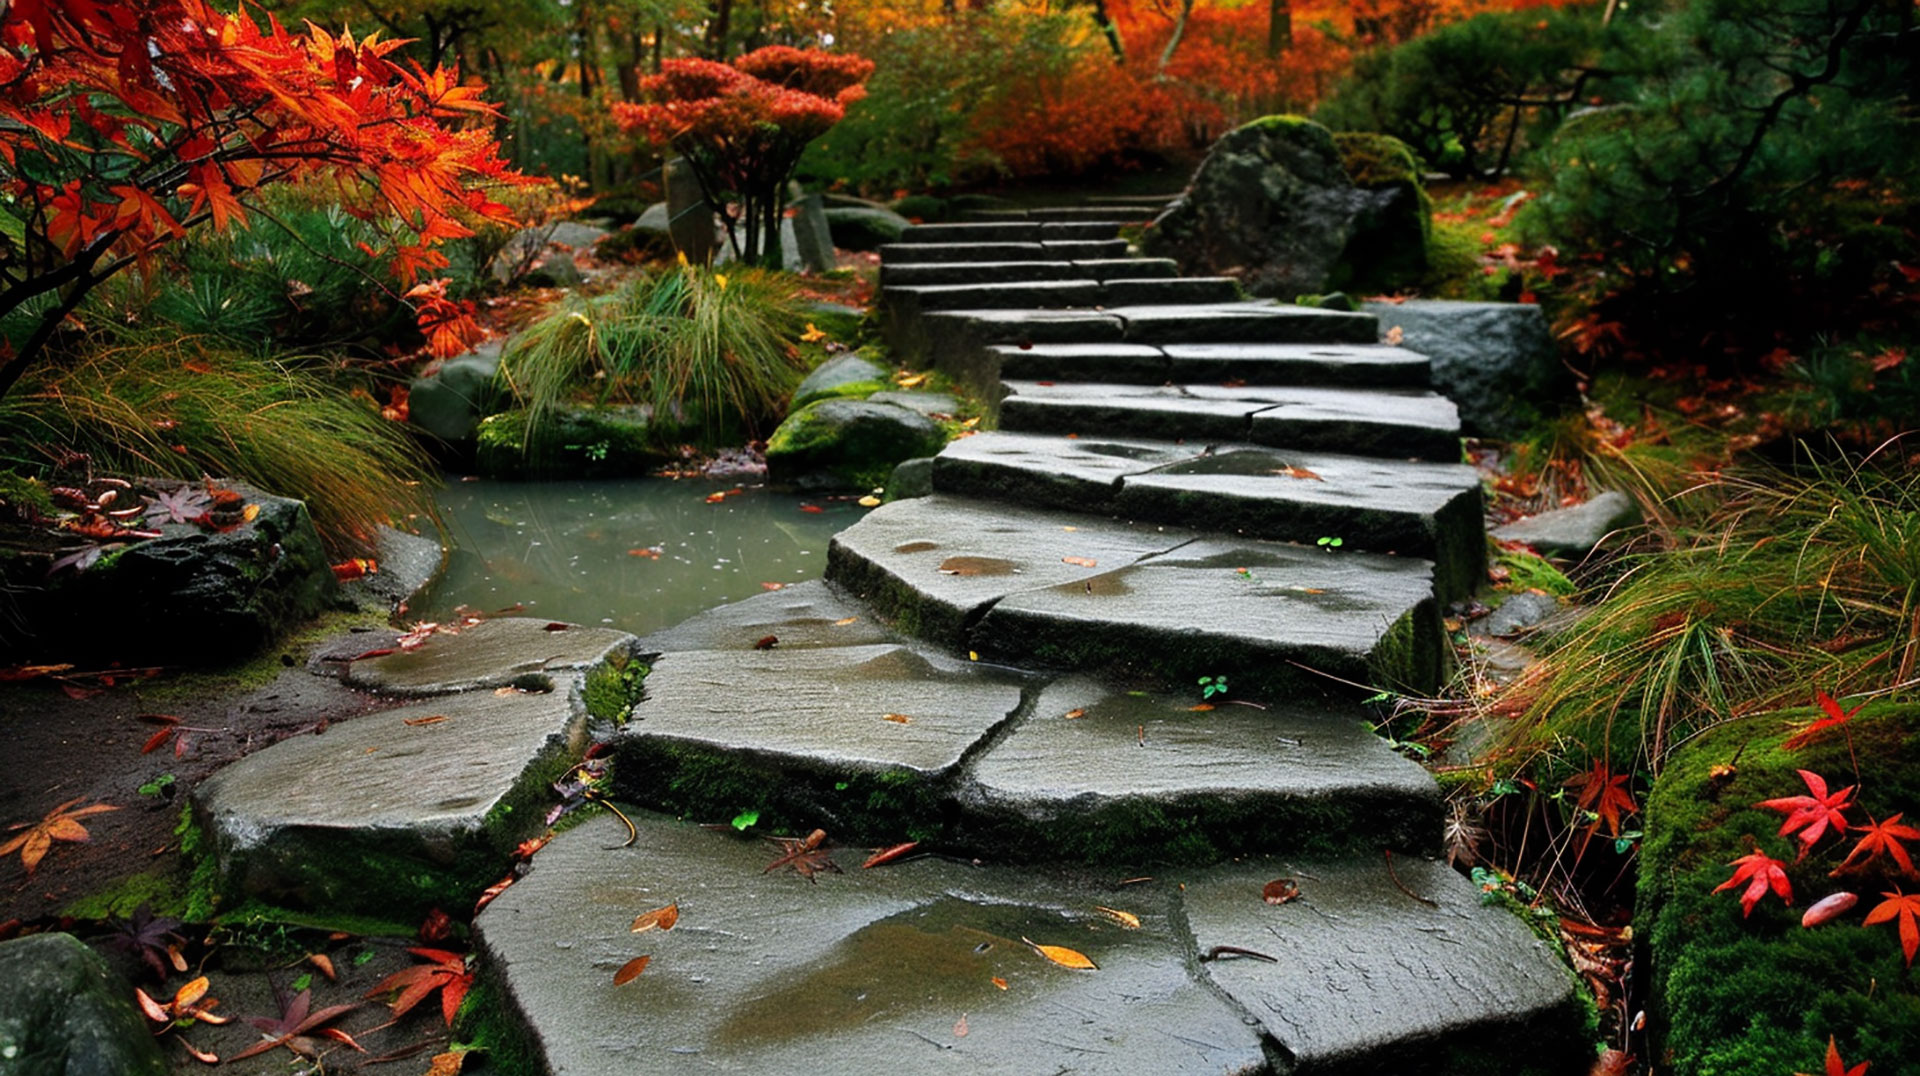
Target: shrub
x: 712, y: 354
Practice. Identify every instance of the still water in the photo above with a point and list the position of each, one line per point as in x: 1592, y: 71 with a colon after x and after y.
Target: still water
x: 638, y: 554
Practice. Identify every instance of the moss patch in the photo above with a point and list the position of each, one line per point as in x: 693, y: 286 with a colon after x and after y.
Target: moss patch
x: 577, y: 442
x: 1758, y: 993
x: 1390, y: 247
x: 614, y: 687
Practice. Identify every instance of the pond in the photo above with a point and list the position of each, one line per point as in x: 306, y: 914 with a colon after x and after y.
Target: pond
x: 639, y: 554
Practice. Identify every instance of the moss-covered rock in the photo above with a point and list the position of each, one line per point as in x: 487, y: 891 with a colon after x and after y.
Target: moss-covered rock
x: 586, y: 441
x: 1757, y: 993
x: 840, y: 377
x: 848, y: 444
x: 1392, y: 234
x: 63, y: 1012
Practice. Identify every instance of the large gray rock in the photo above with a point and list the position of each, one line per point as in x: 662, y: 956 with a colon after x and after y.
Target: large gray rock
x: 810, y: 231
x: 63, y: 1012
x: 1271, y: 204
x: 450, y: 402
x: 490, y: 654
x: 848, y: 444
x: 405, y: 564
x: 798, y: 616
x: 1573, y: 532
x: 1495, y: 360
x: 842, y: 375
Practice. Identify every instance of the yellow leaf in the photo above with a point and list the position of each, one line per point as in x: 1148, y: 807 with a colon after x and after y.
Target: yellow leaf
x: 999, y: 982
x: 1125, y: 919
x: 812, y: 335
x: 631, y: 970
x: 898, y: 719
x: 844, y: 621
x: 1063, y: 956
x: 657, y: 919
x: 973, y: 655
x: 721, y: 280
x: 869, y: 501
x: 911, y: 381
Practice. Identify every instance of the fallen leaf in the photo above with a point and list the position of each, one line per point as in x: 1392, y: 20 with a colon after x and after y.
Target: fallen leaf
x: 325, y: 964
x: 1291, y: 471
x: 377, y: 653
x: 1071, y: 714
x: 651, y: 553
x: 447, y: 1064
x: 889, y: 854
x: 1836, y: 717
x: 443, y: 971
x: 999, y: 982
x: 1904, y: 905
x: 1279, y: 891
x: 1200, y: 709
x: 1063, y: 956
x: 557, y: 626
x: 1083, y: 562
x: 1760, y: 872
x: 773, y: 586
x: 60, y: 824
x: 960, y: 1027
x: 868, y: 501
x: 973, y: 655
x: 844, y: 621
x: 714, y: 498
x: 911, y: 381
x: 434, y: 719
x: 766, y: 642
x: 1835, y: 1066
x: 1882, y: 838
x: 812, y: 509
x: 1395, y: 336
x: 898, y: 719
x: 657, y: 919
x: 1125, y: 919
x: 631, y: 970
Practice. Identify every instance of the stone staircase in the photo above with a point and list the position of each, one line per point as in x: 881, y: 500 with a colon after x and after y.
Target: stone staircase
x: 1006, y: 671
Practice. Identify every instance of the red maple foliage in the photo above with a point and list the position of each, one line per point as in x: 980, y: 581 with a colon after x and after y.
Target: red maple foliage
x: 1813, y: 813
x: 1836, y: 718
x: 1882, y: 838
x: 127, y: 123
x: 1760, y: 872
x: 444, y: 971
x: 1907, y: 907
x: 1837, y: 1067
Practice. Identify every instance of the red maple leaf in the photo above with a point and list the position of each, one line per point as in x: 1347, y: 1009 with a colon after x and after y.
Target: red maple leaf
x: 1605, y: 794
x: 1837, y: 1067
x: 1835, y: 718
x: 1883, y: 838
x: 1907, y: 907
x: 1811, y: 814
x: 1760, y: 872
x: 445, y: 972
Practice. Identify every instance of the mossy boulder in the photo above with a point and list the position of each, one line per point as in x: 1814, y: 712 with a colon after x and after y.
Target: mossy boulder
x: 1757, y: 992
x: 864, y: 227
x: 63, y: 1012
x: 841, y: 377
x: 583, y: 441
x: 1392, y: 234
x: 848, y: 444
x: 450, y: 401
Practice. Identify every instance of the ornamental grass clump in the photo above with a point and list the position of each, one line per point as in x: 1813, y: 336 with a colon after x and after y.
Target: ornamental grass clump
x: 711, y: 354
x: 1798, y: 578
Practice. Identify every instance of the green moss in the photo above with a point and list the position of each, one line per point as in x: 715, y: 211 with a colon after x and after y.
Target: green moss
x: 260, y: 670
x: 857, y: 455
x: 852, y: 390
x: 489, y: 1022
x: 614, y: 687
x: 1409, y: 656
x: 575, y: 441
x: 256, y: 914
x: 1281, y: 123
x: 1758, y: 993
x: 1390, y: 247
x: 160, y: 890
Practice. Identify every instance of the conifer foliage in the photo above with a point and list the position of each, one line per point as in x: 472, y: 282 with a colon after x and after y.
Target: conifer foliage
x: 123, y: 124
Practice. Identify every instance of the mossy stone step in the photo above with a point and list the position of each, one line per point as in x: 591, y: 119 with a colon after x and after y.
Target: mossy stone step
x: 1391, y: 423
x: 1430, y: 510
x: 805, y: 615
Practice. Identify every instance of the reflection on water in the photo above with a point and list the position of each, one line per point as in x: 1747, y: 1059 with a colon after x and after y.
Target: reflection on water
x: 638, y: 554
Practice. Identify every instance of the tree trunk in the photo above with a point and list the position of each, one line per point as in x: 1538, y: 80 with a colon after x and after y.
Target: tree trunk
x: 1173, y: 42
x: 1279, y: 26
x: 717, y: 28
x: 1104, y: 21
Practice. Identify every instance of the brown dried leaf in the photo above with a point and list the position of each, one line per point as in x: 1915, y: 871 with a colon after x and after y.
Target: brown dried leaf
x: 887, y: 855
x: 999, y: 982
x: 844, y: 621
x: 898, y: 719
x: 657, y: 919
x: 1075, y: 713
x: 416, y: 722
x: 1082, y: 562
x: 631, y: 970
x: 1279, y: 891
x: 1063, y: 956
x: 1291, y: 471
x: 60, y: 824
x: 766, y: 642
x: 1125, y: 919
x: 447, y: 1064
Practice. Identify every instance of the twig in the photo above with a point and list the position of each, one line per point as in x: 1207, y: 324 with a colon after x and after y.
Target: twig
x: 1219, y: 951
x: 632, y: 834
x: 1391, y: 873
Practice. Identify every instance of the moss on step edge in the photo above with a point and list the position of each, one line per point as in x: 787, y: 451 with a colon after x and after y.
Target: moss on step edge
x: 614, y: 687
x: 490, y: 1023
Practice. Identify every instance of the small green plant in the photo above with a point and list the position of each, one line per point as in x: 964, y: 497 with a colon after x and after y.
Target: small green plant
x: 1211, y: 686
x: 158, y: 786
x: 1330, y: 543
x: 745, y: 820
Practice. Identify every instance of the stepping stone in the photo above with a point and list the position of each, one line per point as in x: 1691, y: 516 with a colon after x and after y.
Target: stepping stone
x: 492, y: 653
x: 858, y: 738
x: 1144, y: 290
x: 1354, y: 365
x: 1129, y: 268
x: 952, y: 339
x: 1266, y: 614
x: 1084, y: 249
x: 1007, y: 231
x: 1401, y: 424
x: 910, y: 302
x: 869, y: 971
x: 1430, y: 510
x: 1056, y: 230
x: 394, y: 812
x: 1100, y: 775
x: 1428, y: 981
x: 1256, y: 321
x: 932, y: 564
x: 968, y: 252
x: 914, y: 274
x: 1130, y: 363
x: 800, y: 616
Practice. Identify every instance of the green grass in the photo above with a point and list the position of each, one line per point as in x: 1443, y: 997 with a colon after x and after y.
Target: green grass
x: 188, y: 407
x: 712, y: 354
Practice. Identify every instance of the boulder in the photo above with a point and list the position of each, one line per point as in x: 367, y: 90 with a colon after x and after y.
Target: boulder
x: 575, y: 234
x: 1388, y: 249
x: 1573, y: 532
x: 864, y: 227
x: 648, y: 237
x: 843, y: 375
x: 63, y: 1012
x: 813, y: 233
x: 579, y: 441
x: 911, y: 478
x: 450, y: 401
x: 1495, y: 360
x: 927, y: 403
x: 1271, y: 204
x: 848, y: 444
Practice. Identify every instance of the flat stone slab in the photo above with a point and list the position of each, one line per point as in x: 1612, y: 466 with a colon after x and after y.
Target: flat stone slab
x: 891, y: 970
x: 968, y: 252
x: 1124, y: 363
x: 1128, y: 268
x: 799, y: 616
x: 1244, y: 322
x: 1094, y: 773
x: 1121, y: 291
x: 1355, y: 365
x: 1264, y: 613
x: 911, y: 300
x: 1573, y: 532
x: 909, y: 274
x: 1396, y: 423
x: 1050, y: 471
x: 492, y: 653
x: 1372, y: 979
x: 394, y: 812
x: 933, y: 564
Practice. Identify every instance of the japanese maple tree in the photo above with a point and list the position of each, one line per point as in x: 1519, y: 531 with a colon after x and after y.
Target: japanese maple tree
x: 742, y: 127
x: 124, y: 124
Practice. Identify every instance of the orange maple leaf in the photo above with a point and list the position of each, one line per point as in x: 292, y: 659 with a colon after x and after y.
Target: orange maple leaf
x: 1605, y: 794
x: 446, y: 972
x: 1883, y: 838
x: 1837, y: 1067
x: 1907, y: 907
x: 60, y: 824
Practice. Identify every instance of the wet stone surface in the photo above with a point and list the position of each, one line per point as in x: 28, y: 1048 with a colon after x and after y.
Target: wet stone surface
x: 490, y: 654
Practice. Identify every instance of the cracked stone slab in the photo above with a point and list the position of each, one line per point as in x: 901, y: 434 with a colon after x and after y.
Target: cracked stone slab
x: 1417, y: 508
x: 1093, y: 772
x: 1048, y: 470
x: 888, y: 970
x: 492, y: 653
x: 799, y: 616
x: 1268, y: 614
x: 1352, y: 365
x: 1128, y: 268
x: 388, y: 813
x: 1167, y: 412
x: 930, y: 564
x: 1130, y: 363
x: 911, y: 301
x: 910, y: 274
x: 953, y: 339
x: 1244, y: 322
x: 1372, y: 979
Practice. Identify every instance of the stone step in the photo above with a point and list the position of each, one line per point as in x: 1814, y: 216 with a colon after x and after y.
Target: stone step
x: 908, y: 302
x: 924, y: 967
x: 402, y: 810
x: 1044, y: 250
x: 1429, y: 510
x: 911, y: 274
x: 1389, y: 423
x: 1193, y: 289
x: 1158, y: 604
x: 1007, y: 231
x: 1333, y: 365
x: 1116, y: 213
